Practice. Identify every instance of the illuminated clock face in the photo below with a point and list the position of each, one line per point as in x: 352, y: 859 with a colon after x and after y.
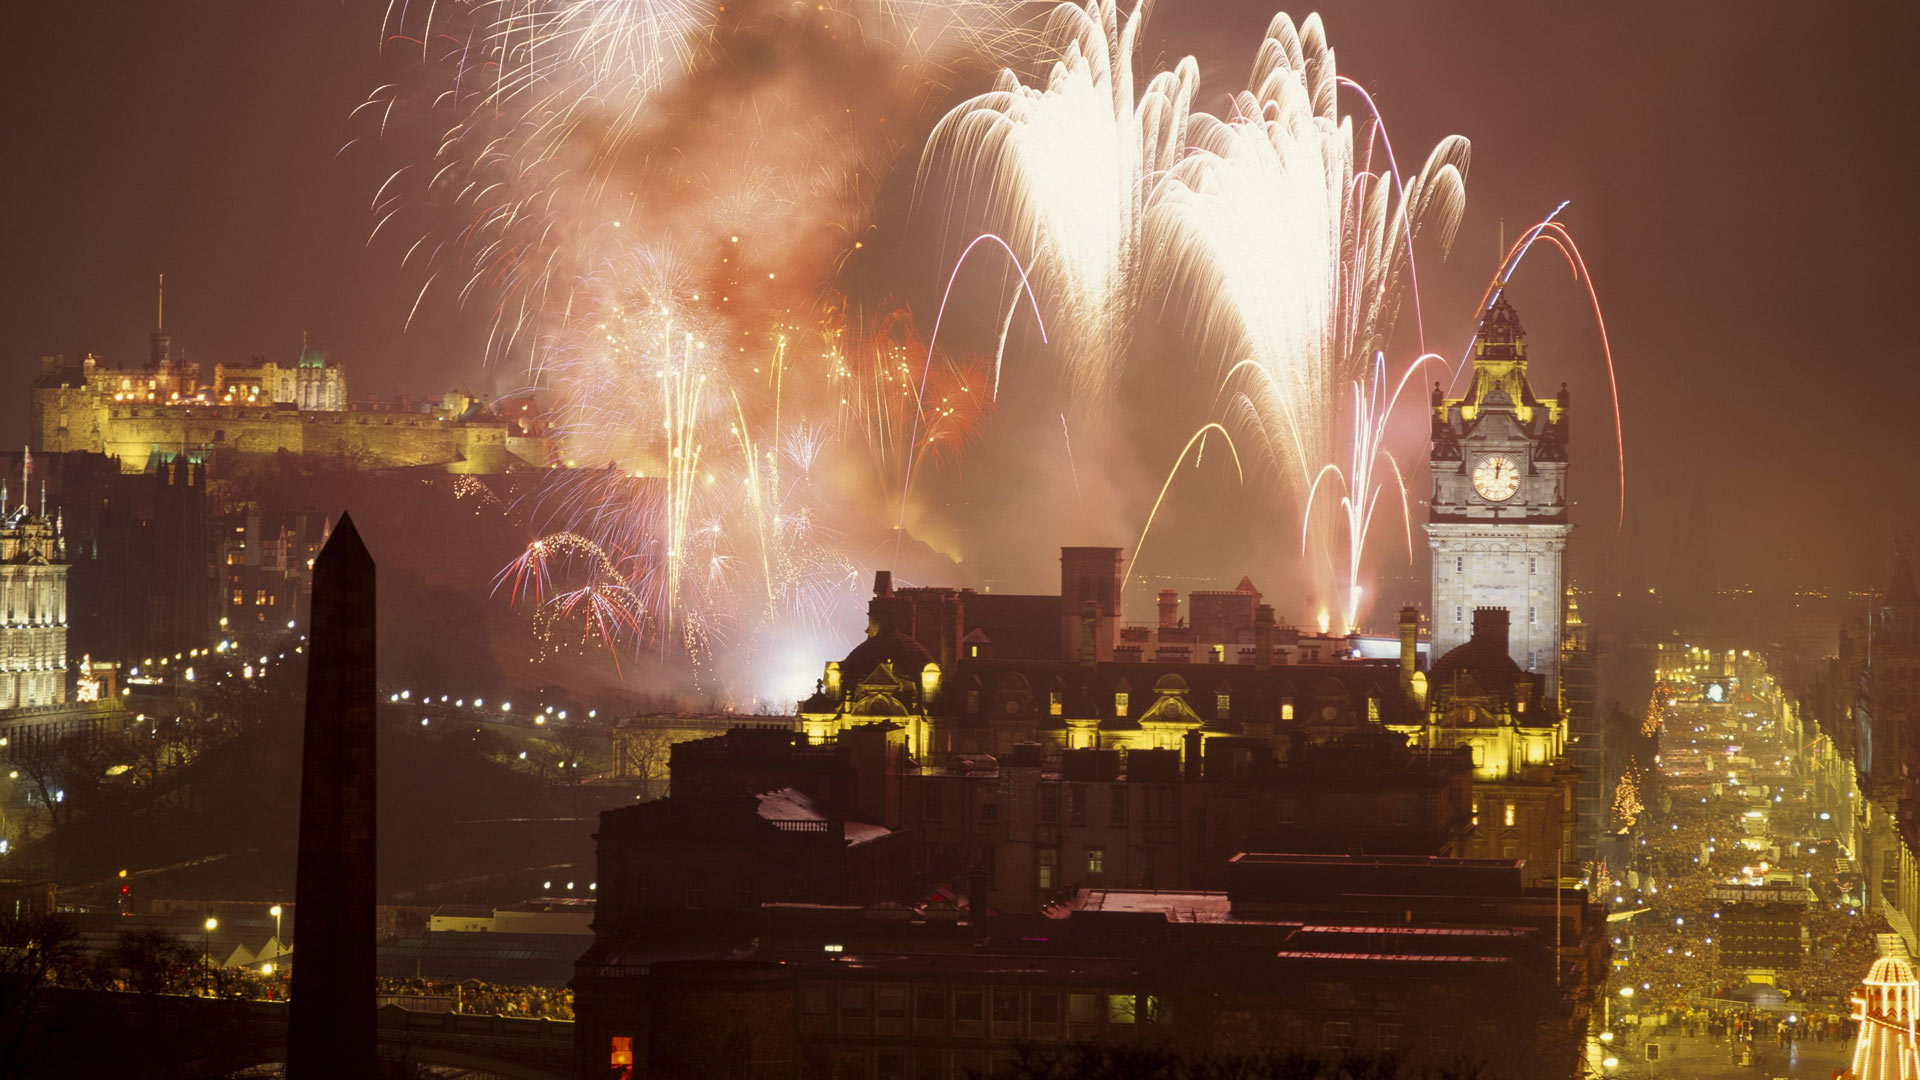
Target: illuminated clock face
x: 1496, y: 477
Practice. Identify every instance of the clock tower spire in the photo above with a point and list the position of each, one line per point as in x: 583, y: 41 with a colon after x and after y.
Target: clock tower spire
x: 1497, y: 519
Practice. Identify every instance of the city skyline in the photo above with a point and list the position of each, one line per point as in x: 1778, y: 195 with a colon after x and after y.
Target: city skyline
x: 959, y: 540
x: 263, y: 247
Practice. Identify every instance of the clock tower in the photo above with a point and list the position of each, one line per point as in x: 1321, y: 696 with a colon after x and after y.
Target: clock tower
x: 1497, y: 520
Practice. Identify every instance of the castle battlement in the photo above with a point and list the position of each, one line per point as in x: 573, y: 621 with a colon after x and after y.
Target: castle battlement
x: 174, y: 407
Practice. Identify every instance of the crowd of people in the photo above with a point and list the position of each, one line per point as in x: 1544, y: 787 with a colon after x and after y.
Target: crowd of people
x: 475, y: 996
x: 157, y: 964
x: 1712, y: 829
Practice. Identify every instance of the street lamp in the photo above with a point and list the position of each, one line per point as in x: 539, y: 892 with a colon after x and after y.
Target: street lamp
x: 277, y: 943
x: 206, y: 949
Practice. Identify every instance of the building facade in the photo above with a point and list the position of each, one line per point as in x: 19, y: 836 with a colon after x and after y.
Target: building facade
x: 33, y: 602
x: 1510, y: 726
x: 1497, y: 522
x: 1436, y: 960
x: 175, y: 407
x: 1586, y: 747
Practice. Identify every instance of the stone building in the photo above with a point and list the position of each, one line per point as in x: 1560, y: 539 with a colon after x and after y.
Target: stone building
x: 38, y: 700
x: 1437, y: 960
x: 1586, y: 747
x: 1498, y: 521
x: 33, y: 602
x: 1509, y: 723
x: 176, y: 407
x: 968, y: 674
x: 1023, y: 829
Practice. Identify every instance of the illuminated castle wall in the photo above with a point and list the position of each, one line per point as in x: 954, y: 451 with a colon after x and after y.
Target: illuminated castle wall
x: 168, y: 408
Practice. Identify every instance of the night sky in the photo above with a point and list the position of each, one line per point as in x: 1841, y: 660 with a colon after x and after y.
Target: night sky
x: 1740, y: 178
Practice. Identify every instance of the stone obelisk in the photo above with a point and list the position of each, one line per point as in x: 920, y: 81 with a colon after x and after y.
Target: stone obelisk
x: 331, y: 1030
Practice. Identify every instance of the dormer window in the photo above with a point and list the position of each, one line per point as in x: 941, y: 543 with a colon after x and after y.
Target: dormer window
x: 1223, y: 704
x: 1054, y: 705
x: 1120, y: 703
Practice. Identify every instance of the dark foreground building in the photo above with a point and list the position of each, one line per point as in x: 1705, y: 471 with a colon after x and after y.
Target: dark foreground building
x: 1438, y: 959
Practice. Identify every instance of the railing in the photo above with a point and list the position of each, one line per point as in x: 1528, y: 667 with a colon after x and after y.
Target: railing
x: 799, y: 825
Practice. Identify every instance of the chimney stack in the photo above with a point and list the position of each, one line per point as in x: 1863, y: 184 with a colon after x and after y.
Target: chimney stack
x: 1089, y: 624
x: 1490, y: 626
x: 1169, y: 609
x: 1263, y: 637
x: 1409, y: 646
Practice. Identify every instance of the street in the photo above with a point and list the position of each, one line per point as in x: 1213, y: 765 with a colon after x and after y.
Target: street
x: 1738, y: 929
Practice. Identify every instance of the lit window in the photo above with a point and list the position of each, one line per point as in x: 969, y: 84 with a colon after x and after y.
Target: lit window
x: 1223, y: 705
x: 1120, y: 703
x: 1049, y: 861
x: 1054, y: 707
x: 1509, y: 815
x: 239, y: 597
x: 1476, y: 811
x: 1286, y: 710
x: 1096, y: 860
x: 259, y: 597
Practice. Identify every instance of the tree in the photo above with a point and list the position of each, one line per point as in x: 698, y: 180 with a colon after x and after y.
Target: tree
x: 35, y: 950
x: 642, y: 753
x: 67, y: 773
x: 153, y: 961
x: 575, y: 747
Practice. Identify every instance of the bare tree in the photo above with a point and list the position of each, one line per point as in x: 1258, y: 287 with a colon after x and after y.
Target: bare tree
x: 642, y: 753
x: 35, y: 950
x: 575, y: 748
